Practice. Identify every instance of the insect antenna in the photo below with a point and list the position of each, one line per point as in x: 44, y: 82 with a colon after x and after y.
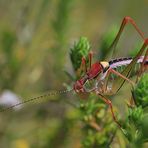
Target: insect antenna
x: 53, y: 93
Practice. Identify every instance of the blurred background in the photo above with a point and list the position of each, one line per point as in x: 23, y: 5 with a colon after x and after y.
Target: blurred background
x: 35, y: 41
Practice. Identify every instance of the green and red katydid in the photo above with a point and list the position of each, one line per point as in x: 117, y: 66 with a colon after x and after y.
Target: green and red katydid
x: 98, y: 72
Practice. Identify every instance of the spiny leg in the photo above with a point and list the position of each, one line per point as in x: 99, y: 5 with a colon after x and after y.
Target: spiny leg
x: 108, y: 102
x: 126, y: 20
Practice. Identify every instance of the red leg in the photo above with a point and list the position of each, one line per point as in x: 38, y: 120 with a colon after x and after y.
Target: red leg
x: 124, y: 22
x: 90, y: 58
x: 91, y: 53
x: 83, y: 65
x: 120, y: 75
x: 108, y: 102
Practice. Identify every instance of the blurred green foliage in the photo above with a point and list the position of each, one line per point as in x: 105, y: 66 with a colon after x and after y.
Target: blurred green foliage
x: 79, y: 50
x: 107, y: 39
x: 10, y: 63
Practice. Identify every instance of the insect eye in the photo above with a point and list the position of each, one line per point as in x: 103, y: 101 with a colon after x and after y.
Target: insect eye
x: 89, y: 85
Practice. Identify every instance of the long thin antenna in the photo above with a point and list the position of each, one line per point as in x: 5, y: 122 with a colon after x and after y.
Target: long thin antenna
x: 36, y: 98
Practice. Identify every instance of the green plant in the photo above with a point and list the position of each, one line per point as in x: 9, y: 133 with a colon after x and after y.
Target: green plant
x: 137, y: 118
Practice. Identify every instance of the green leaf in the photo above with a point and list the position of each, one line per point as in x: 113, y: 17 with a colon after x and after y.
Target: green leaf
x: 79, y: 50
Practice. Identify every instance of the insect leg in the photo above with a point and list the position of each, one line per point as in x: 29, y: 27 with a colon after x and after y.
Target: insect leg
x: 126, y: 20
x: 120, y: 75
x: 108, y: 102
x: 83, y: 62
x: 119, y: 81
x: 142, y: 68
x: 90, y: 58
x: 83, y: 65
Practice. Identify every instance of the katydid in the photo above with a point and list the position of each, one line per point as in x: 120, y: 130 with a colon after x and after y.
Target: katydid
x: 96, y: 75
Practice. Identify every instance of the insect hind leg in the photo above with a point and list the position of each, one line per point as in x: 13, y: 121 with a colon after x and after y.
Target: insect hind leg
x: 125, y: 21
